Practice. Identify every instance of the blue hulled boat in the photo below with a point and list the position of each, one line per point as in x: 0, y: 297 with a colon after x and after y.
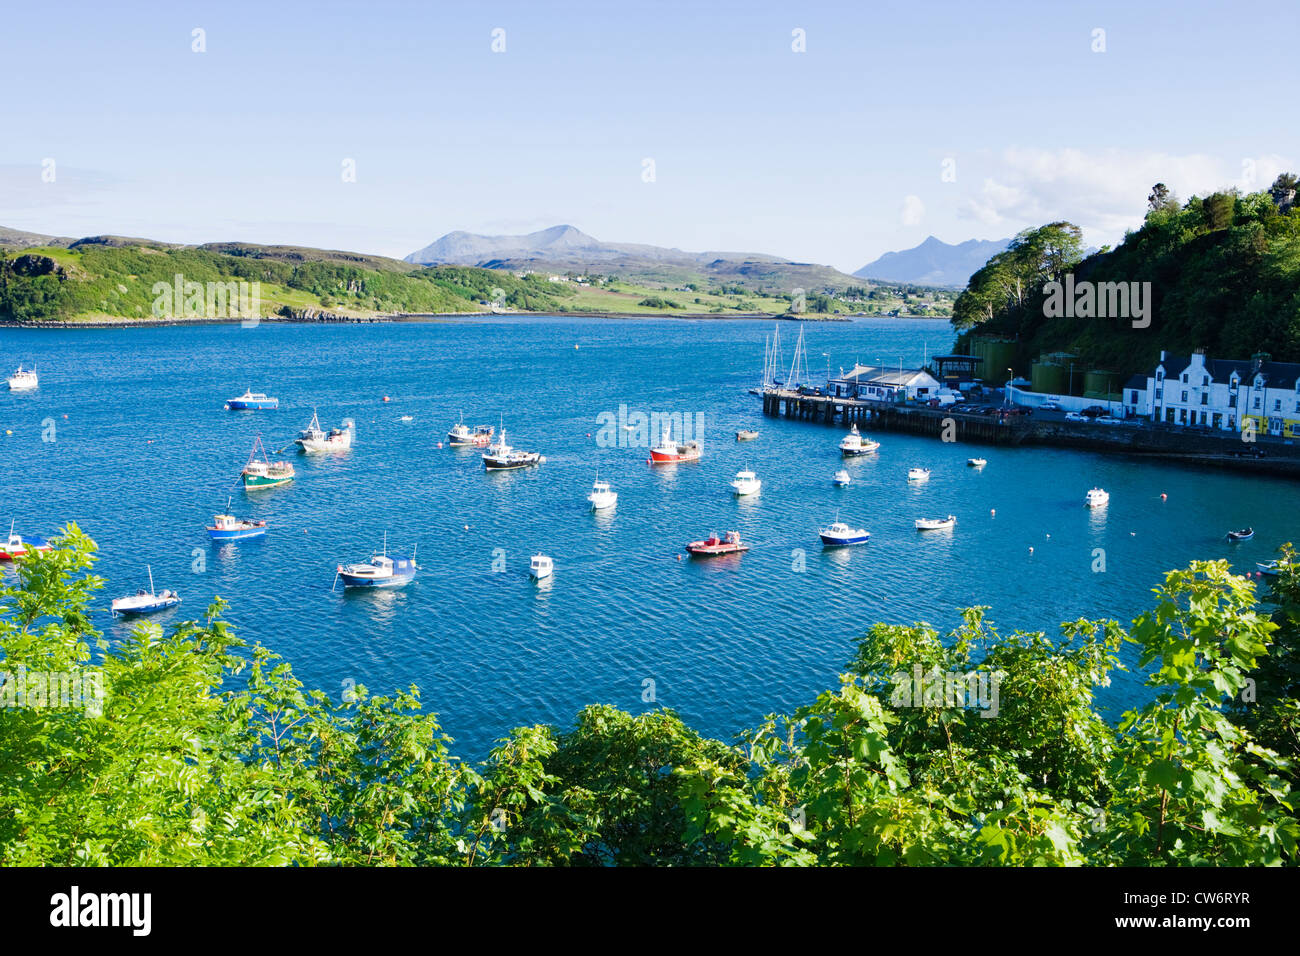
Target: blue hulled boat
x: 381, y: 571
x: 230, y: 528
x: 252, y: 401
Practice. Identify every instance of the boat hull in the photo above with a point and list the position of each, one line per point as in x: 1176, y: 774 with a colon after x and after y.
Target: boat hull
x: 239, y: 534
x: 836, y: 541
x: 364, y: 581
x: 237, y: 406
x: 672, y: 458
x: 138, y: 610
x: 262, y: 481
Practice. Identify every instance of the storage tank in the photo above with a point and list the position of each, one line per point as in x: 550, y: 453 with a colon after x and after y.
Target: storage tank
x: 998, y: 355
x: 1100, y: 383
x: 1049, y: 378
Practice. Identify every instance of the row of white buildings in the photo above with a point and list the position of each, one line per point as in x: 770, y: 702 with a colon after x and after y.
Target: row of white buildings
x: 1219, y: 393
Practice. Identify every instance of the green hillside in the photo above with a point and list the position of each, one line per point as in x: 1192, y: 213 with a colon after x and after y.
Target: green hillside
x: 1224, y: 274
x: 112, y: 278
x: 94, y: 279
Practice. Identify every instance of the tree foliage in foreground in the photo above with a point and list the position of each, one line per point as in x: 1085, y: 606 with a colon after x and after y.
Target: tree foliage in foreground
x: 180, y: 769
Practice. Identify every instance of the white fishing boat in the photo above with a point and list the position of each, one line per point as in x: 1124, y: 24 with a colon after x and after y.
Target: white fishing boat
x: 145, y: 602
x: 23, y: 380
x: 842, y: 478
x: 480, y: 436
x: 855, y: 444
x: 935, y: 524
x: 746, y: 434
x: 313, y: 438
x: 501, y: 457
x: 1096, y: 498
x: 977, y: 462
x: 746, y: 483
x: 601, y: 496
x: 541, y: 567
x: 918, y: 474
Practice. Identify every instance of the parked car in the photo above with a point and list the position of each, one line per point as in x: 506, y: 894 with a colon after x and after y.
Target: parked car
x: 1093, y: 411
x: 1075, y: 417
x: 1050, y: 407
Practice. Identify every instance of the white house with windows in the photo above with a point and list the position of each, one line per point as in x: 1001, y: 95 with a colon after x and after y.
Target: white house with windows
x: 878, y: 384
x: 1195, y: 390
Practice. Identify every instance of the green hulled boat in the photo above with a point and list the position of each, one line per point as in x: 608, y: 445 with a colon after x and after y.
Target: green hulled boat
x: 264, y: 473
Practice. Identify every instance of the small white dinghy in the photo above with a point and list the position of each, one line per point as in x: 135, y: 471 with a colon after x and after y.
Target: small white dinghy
x: 1096, y: 498
x: 145, y: 602
x: 977, y: 462
x: 541, y: 566
x: 746, y: 483
x: 935, y: 524
x: 918, y: 474
x: 842, y: 478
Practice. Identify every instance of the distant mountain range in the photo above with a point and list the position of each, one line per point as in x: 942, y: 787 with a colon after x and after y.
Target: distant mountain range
x: 934, y: 262
x: 565, y: 248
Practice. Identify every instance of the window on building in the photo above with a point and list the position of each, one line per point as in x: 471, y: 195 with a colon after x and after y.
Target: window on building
x: 1257, y: 401
x: 1205, y: 398
x: 1205, y: 380
x: 1232, y: 401
x: 1159, y: 393
x: 1184, y: 398
x: 1133, y: 400
x: 1184, y: 378
x: 1277, y: 404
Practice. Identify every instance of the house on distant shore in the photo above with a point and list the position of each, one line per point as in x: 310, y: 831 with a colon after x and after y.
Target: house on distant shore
x: 879, y: 384
x: 1224, y: 394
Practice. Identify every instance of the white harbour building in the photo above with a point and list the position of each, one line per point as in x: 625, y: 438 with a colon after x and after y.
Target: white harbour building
x: 880, y: 384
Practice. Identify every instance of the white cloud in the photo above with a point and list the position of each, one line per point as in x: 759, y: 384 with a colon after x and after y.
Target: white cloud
x: 1104, y: 191
x: 913, y: 211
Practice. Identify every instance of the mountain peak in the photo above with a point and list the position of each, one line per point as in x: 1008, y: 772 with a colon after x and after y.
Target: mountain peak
x: 934, y: 262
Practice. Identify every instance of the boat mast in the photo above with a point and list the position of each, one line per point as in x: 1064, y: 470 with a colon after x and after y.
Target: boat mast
x: 150, y: 570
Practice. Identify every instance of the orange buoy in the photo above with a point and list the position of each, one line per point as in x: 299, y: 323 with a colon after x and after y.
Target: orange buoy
x: 1163, y: 496
x: 439, y: 444
x: 386, y: 398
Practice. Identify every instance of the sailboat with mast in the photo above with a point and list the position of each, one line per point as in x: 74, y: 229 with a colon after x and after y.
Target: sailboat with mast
x: 772, y: 362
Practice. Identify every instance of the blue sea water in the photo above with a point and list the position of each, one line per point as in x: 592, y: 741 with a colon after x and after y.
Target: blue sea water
x: 143, y: 455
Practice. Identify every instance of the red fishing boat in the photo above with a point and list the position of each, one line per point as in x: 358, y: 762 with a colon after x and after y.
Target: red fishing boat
x: 713, y: 545
x: 669, y: 451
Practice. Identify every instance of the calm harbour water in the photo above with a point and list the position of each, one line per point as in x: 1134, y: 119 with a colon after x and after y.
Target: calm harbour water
x: 146, y: 454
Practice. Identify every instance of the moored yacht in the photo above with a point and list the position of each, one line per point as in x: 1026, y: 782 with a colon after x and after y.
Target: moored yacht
x: 1096, y: 498
x: 918, y: 474
x: 381, y: 571
x: 252, y: 401
x: 23, y: 380
x: 746, y: 483
x: 840, y: 534
x: 854, y: 444
x: 842, y: 478
x: 145, y: 602
x: 601, y: 496
x: 541, y: 566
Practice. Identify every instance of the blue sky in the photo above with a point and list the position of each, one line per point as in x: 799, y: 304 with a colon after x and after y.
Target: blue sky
x: 831, y: 155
